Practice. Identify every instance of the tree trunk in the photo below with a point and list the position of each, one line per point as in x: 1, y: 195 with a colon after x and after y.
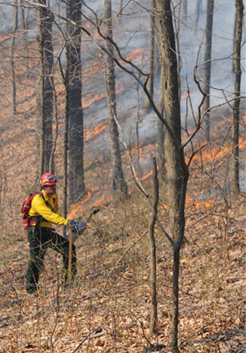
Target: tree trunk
x: 45, y: 20
x: 185, y: 10
x: 207, y: 65
x: 66, y: 123
x: 177, y: 173
x: 153, y: 308
x: 12, y: 58
x: 119, y: 183
x: 161, y: 130
x: 198, y: 11
x: 237, y: 66
x: 138, y: 120
x: 24, y: 37
x: 76, y: 134
x: 151, y: 52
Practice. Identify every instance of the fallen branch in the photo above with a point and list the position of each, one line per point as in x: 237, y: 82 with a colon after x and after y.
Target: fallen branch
x: 89, y: 334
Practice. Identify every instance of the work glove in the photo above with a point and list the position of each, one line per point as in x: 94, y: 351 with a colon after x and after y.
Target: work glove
x: 72, y: 224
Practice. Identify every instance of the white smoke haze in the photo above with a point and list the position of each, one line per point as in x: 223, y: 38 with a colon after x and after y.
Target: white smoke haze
x: 131, y: 32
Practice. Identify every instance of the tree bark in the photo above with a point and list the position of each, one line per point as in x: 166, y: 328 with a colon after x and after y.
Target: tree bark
x: 198, y: 11
x: 119, y: 183
x: 12, y: 58
x: 151, y: 53
x: 177, y: 172
x: 45, y: 20
x: 161, y: 130
x: 76, y: 134
x: 153, y: 281
x: 24, y: 37
x: 66, y: 123
x: 237, y: 66
x: 207, y: 65
x: 185, y: 10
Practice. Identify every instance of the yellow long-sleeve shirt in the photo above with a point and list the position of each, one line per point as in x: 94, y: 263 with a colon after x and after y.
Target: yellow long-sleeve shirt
x: 40, y: 208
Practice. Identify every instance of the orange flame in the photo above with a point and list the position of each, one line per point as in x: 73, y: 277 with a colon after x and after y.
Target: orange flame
x: 185, y: 95
x: 135, y: 54
x: 88, y: 100
x: 95, y: 130
x: 147, y: 175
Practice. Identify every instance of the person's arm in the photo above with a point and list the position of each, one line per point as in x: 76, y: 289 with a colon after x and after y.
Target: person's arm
x: 39, y: 205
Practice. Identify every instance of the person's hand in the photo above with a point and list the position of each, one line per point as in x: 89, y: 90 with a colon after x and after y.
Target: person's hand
x: 72, y: 224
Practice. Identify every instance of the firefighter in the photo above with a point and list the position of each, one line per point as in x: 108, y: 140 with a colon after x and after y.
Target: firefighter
x: 43, y: 213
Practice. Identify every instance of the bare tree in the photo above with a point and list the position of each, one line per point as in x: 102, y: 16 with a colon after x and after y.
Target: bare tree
x: 119, y: 183
x: 207, y: 64
x: 236, y: 113
x: 76, y: 134
x: 177, y: 172
x: 45, y: 118
x: 12, y: 58
x: 153, y: 280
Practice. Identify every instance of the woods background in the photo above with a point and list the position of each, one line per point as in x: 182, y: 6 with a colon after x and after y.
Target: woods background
x: 139, y: 108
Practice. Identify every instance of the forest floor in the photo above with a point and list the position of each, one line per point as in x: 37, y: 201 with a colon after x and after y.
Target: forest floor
x: 108, y: 308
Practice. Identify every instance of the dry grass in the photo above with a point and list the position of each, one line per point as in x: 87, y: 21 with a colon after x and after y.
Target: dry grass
x: 112, y: 293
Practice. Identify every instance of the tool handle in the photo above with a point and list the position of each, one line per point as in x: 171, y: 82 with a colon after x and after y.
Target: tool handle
x: 70, y: 254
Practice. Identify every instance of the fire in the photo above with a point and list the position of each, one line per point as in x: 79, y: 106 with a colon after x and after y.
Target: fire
x: 5, y: 37
x: 75, y: 208
x: 204, y: 203
x: 91, y: 70
x: 185, y: 95
x: 102, y: 199
x: 217, y: 152
x: 88, y: 99
x: 241, y: 143
x: 147, y: 175
x: 95, y: 130
x: 135, y: 54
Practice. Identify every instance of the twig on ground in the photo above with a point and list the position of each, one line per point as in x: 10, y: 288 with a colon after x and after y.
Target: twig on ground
x: 89, y: 334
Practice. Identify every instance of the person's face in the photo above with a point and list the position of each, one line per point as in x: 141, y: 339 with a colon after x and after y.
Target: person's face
x: 50, y: 190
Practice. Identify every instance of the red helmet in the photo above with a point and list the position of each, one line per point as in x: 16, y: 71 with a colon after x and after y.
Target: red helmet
x: 48, y: 179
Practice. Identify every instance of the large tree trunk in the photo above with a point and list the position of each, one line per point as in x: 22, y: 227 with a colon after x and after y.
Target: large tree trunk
x: 207, y: 65
x: 151, y: 52
x: 76, y: 135
x: 119, y: 183
x: 177, y: 173
x: 237, y: 66
x: 45, y: 20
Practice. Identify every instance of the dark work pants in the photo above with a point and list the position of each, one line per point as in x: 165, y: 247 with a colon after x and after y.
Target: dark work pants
x: 40, y: 239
